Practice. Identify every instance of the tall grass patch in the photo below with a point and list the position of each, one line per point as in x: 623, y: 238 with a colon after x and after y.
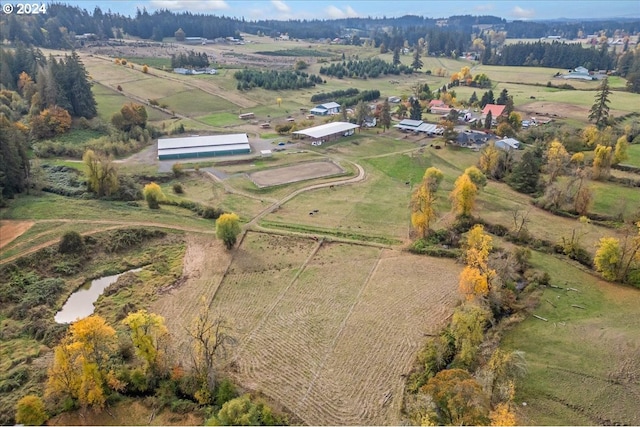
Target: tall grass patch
x: 577, y: 359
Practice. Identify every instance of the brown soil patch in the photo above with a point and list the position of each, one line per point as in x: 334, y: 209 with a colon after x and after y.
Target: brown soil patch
x: 11, y: 230
x: 318, y: 333
x: 558, y: 110
x: 295, y: 173
x: 205, y: 263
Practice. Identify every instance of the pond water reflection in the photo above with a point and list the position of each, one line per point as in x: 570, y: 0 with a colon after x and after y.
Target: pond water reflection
x: 80, y: 303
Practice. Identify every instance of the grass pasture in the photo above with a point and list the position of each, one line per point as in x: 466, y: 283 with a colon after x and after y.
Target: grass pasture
x: 325, y: 320
x: 110, y: 101
x: 583, y: 363
x: 151, y: 61
x: 634, y: 155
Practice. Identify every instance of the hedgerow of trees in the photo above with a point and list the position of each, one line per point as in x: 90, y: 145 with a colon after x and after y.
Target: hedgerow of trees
x: 275, y: 80
x: 190, y: 60
x: 363, y: 69
x: 554, y: 54
x: 330, y: 96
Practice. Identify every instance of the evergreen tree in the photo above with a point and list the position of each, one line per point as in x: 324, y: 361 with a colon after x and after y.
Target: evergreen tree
x: 473, y: 99
x: 417, y: 63
x: 488, y: 120
x: 416, y: 110
x: 14, y: 164
x: 80, y: 95
x: 385, y: 115
x: 525, y: 177
x: 599, y: 113
x: 503, y: 98
x: 396, y: 56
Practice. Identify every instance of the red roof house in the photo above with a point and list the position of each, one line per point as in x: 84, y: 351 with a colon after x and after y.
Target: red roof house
x: 496, y: 110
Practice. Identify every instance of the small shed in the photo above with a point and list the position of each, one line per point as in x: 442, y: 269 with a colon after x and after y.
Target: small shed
x: 265, y: 153
x: 246, y: 116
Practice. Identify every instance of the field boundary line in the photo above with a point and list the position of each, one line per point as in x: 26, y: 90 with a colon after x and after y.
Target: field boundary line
x: 224, y: 273
x: 338, y: 334
x: 279, y: 298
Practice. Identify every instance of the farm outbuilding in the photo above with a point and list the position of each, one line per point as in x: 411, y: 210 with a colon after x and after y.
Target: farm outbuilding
x: 203, y: 146
x: 331, y: 130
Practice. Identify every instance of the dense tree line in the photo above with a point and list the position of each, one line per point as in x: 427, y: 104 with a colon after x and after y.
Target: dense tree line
x: 555, y: 54
x: 367, y: 68
x: 629, y: 67
x: 365, y: 96
x: 569, y: 30
x: 327, y: 96
x: 63, y: 82
x: 191, y: 59
x: 275, y: 80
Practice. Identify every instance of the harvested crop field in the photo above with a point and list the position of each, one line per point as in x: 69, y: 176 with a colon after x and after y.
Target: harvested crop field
x: 295, y: 173
x: 327, y: 330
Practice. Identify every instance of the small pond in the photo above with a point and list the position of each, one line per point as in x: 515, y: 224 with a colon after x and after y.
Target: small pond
x: 80, y: 303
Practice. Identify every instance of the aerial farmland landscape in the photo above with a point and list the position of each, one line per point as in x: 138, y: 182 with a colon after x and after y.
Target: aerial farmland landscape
x: 320, y: 213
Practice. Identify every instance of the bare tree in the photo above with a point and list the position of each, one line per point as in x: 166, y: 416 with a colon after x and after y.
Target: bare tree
x: 211, y: 335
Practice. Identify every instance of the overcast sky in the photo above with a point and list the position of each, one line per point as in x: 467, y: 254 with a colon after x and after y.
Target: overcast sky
x: 332, y: 9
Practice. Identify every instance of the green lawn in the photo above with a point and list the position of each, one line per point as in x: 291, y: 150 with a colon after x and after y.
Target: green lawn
x: 580, y: 359
x: 634, y: 155
x: 221, y: 119
x: 195, y: 103
x: 110, y: 101
x: 151, y: 61
x: 613, y: 199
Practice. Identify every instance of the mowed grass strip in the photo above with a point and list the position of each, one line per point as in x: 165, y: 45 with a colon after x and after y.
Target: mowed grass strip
x: 582, y: 360
x: 52, y: 206
x: 195, y: 103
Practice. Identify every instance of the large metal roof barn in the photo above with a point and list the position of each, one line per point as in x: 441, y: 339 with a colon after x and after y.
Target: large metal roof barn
x: 327, y: 130
x: 203, y: 146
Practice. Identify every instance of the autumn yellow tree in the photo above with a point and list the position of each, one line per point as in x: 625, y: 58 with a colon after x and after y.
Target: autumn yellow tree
x: 621, y: 151
x: 463, y: 196
x: 577, y: 159
x: 458, y: 399
x: 602, y: 159
x: 30, y: 410
x: 81, y: 368
x: 153, y: 195
x: 423, y: 200
x: 476, y: 277
x: 503, y: 415
x: 101, y: 172
x: 467, y: 328
x: 557, y: 159
x: 489, y: 157
x: 149, y: 336
x: 614, y: 258
x: 228, y: 229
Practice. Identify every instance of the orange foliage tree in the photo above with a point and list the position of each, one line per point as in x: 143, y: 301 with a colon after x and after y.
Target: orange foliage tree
x: 50, y: 122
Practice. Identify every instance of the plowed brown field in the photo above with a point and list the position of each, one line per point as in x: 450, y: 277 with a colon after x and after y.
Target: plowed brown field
x: 327, y: 330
